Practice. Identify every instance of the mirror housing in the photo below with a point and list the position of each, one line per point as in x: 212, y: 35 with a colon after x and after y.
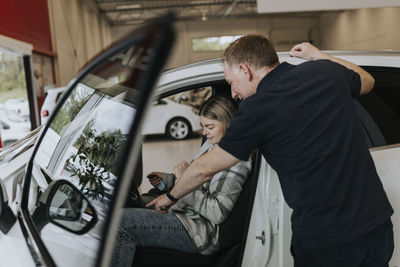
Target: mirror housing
x: 64, y: 205
x: 7, y: 217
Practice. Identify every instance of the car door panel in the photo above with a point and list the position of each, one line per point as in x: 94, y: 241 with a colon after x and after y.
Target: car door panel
x: 268, y: 237
x: 387, y: 163
x: 14, y: 251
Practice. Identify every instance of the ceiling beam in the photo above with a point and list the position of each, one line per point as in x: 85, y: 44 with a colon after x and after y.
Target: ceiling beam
x: 172, y: 6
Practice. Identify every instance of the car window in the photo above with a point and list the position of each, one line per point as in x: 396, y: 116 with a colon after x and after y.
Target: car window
x: 176, y: 116
x: 383, y: 104
x: 85, y: 145
x: 172, y: 128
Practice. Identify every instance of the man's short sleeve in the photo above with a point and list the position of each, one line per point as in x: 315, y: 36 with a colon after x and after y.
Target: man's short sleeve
x: 241, y: 137
x: 352, y: 78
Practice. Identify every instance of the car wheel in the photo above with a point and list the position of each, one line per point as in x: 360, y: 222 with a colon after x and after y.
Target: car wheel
x: 178, y: 128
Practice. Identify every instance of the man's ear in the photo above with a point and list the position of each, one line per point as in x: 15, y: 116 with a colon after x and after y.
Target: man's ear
x: 246, y: 70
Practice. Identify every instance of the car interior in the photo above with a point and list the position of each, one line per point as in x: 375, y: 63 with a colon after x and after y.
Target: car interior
x: 232, y: 246
x: 378, y: 110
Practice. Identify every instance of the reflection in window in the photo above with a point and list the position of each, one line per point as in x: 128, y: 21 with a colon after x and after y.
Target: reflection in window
x: 71, y: 107
x: 84, y: 145
x: 212, y: 43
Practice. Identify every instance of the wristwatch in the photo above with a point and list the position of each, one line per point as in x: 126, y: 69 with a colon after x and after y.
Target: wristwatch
x: 171, y: 197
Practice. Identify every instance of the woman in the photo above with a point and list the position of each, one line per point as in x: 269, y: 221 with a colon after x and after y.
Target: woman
x: 192, y: 225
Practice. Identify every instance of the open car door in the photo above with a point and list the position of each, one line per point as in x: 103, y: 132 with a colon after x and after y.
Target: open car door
x: 80, y: 170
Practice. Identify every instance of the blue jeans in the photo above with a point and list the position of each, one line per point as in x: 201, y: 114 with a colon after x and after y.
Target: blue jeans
x: 148, y: 228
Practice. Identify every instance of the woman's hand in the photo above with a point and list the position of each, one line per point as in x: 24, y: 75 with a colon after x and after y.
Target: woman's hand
x: 154, y: 178
x: 180, y: 168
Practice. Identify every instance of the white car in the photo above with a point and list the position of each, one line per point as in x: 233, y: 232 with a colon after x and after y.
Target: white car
x: 176, y: 120
x: 52, y: 97
x: 13, y: 126
x: 19, y: 106
x: 61, y: 199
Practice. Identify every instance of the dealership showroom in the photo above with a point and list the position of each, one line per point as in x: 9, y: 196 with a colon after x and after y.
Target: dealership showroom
x: 204, y: 133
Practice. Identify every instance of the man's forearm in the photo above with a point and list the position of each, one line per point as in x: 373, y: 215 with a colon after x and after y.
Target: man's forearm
x: 202, y: 170
x: 193, y: 177
x: 309, y: 52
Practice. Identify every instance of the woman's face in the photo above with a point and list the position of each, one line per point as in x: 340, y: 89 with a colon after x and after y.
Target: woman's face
x: 212, y: 129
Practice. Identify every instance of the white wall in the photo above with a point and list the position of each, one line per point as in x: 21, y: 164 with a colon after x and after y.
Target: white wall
x: 359, y: 29
x: 283, y: 32
x: 78, y: 33
x: 362, y: 29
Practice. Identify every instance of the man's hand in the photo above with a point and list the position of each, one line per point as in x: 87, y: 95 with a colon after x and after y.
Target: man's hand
x: 161, y: 204
x: 180, y: 168
x: 307, y: 51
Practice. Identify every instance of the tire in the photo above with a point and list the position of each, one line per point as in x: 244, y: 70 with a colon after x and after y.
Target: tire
x: 178, y: 128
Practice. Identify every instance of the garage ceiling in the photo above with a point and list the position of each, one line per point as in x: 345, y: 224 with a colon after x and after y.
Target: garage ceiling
x: 119, y: 12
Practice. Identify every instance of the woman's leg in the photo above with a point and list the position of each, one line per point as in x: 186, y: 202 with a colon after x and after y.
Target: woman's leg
x: 148, y: 228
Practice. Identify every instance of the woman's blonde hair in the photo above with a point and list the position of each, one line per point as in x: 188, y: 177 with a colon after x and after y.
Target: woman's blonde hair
x: 219, y: 108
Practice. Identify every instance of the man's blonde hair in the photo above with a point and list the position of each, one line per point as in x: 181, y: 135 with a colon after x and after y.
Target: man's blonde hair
x: 254, y: 50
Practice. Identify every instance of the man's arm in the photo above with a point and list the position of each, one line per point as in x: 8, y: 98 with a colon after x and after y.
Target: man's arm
x: 200, y: 171
x: 309, y: 52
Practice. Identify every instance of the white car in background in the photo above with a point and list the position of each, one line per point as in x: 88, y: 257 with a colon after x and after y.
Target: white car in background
x: 52, y: 97
x: 175, y: 120
x: 14, y: 121
x: 19, y: 106
x: 61, y: 200
x: 13, y: 131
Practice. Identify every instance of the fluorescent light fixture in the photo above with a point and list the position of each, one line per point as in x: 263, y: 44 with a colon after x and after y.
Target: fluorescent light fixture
x: 128, y: 6
x: 272, y: 6
x: 217, y: 43
x: 130, y: 15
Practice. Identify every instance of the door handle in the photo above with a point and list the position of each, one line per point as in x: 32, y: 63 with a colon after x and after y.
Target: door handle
x: 261, y: 238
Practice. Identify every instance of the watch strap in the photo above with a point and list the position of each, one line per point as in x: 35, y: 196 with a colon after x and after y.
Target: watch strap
x: 171, y: 197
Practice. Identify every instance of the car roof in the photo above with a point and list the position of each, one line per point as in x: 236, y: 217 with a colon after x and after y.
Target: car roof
x: 211, y: 70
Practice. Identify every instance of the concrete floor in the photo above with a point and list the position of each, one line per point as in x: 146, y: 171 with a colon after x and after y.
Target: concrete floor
x: 163, y: 154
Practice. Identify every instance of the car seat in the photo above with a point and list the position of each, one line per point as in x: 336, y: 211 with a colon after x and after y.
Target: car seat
x: 233, y: 234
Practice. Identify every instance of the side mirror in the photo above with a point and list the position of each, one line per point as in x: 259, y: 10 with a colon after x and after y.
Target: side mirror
x: 65, y: 206
x: 7, y: 217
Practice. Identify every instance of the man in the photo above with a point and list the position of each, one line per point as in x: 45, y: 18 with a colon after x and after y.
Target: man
x: 302, y: 119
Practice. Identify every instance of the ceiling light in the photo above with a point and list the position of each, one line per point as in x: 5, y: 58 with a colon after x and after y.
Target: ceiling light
x: 130, y: 15
x: 204, y: 15
x: 128, y: 6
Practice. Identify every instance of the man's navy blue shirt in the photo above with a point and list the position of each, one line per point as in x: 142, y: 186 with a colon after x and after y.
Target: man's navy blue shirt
x: 303, y: 120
